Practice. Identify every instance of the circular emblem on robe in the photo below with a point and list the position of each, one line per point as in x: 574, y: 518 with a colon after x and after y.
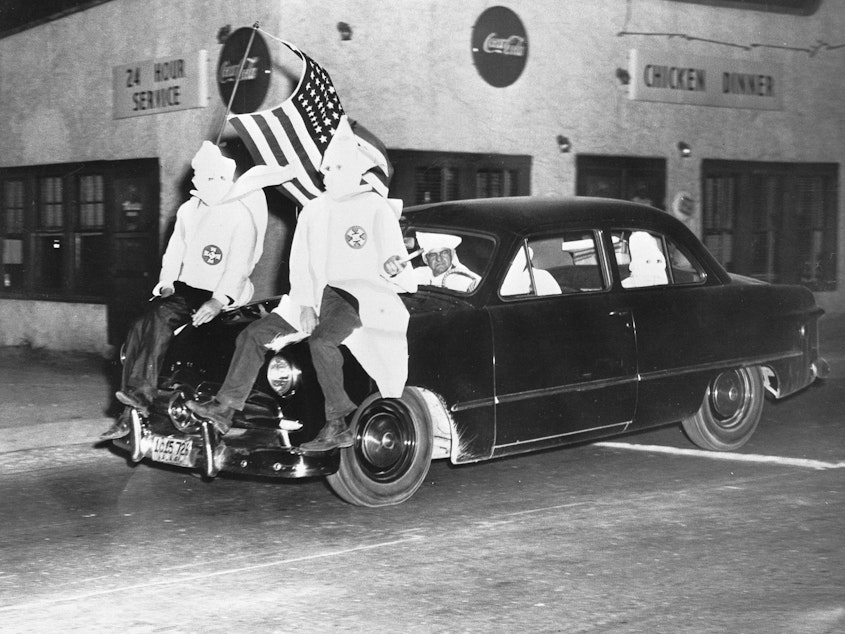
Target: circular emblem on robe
x: 212, y: 254
x: 356, y: 237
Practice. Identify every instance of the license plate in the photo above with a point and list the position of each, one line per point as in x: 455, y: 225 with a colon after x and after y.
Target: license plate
x: 172, y: 450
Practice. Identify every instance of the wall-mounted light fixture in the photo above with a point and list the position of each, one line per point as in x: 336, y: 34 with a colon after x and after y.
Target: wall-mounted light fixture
x: 623, y: 76
x: 684, y: 149
x: 345, y: 31
x: 563, y: 143
x: 223, y: 33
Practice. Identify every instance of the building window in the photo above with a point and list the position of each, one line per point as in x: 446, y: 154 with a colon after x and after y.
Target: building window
x: 435, y: 184
x: 642, y: 180
x: 773, y: 221
x: 51, y: 207
x: 13, y: 229
x: 62, y: 226
x: 429, y: 177
x: 91, y: 202
x: 496, y: 183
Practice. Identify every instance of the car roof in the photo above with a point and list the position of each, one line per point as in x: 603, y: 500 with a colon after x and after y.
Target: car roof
x: 518, y: 215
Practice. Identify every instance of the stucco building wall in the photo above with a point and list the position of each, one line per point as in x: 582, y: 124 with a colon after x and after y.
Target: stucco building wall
x: 408, y: 74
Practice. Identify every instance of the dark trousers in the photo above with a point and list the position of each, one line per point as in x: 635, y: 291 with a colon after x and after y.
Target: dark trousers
x: 338, y: 318
x: 150, y: 336
x: 250, y: 351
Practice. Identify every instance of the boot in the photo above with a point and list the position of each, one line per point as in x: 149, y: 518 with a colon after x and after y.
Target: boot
x: 121, y: 427
x: 214, y: 411
x: 334, y: 433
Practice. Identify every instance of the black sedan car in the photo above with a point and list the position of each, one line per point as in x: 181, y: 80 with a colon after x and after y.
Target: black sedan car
x: 585, y: 318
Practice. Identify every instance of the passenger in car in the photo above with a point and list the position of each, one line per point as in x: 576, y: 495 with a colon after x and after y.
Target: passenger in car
x: 648, y: 264
x: 442, y: 266
x: 518, y: 279
x: 217, y: 240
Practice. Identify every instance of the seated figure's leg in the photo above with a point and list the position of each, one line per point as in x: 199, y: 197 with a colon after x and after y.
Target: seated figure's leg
x: 338, y: 318
x: 250, y: 352
x: 146, y: 345
x: 148, y: 341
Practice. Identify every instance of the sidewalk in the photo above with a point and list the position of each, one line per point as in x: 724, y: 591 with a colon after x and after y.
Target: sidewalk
x: 50, y: 399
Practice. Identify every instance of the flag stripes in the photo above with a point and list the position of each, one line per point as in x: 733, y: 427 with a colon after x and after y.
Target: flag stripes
x: 297, y: 132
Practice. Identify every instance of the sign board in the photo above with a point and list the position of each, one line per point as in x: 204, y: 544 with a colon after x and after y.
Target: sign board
x: 255, y: 74
x: 499, y: 46
x: 160, y: 85
x: 705, y: 81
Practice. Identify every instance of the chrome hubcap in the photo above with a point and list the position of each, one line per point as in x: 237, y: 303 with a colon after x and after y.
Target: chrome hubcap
x: 386, y: 440
x: 729, y: 395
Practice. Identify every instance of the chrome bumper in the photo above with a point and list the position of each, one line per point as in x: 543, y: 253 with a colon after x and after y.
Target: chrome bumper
x: 260, y: 453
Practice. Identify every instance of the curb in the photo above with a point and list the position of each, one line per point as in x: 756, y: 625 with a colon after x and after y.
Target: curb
x: 57, y: 434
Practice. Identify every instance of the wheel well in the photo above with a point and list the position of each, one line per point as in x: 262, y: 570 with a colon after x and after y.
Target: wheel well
x: 446, y: 441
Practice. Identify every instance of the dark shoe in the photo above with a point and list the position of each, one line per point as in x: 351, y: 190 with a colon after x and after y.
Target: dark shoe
x: 135, y: 399
x: 334, y: 433
x: 214, y: 411
x: 121, y: 427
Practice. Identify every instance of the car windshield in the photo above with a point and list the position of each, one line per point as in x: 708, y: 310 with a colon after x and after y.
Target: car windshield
x: 455, y: 261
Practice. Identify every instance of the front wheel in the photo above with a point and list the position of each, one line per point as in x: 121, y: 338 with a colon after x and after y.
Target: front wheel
x: 391, y: 454
x: 730, y: 411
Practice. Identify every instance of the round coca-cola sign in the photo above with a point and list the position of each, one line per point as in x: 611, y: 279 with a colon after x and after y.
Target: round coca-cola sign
x: 499, y: 46
x: 255, y: 73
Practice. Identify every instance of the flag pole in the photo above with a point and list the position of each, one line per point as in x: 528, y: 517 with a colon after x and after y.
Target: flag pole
x: 237, y: 81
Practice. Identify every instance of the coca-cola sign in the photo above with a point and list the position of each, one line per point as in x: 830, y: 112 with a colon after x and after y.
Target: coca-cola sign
x: 499, y: 46
x: 255, y: 73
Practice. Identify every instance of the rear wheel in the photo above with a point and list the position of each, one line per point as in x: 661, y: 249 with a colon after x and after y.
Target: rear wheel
x: 391, y: 454
x: 730, y: 411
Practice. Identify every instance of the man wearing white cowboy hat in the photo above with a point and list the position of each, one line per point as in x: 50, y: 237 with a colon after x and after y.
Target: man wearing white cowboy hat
x: 444, y: 269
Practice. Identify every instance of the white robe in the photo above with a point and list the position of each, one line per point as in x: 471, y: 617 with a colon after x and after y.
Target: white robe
x: 344, y: 244
x: 236, y: 225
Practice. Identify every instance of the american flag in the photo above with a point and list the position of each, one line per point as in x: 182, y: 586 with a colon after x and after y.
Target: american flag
x: 297, y: 132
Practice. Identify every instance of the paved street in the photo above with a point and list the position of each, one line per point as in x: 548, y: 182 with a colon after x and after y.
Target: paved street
x: 598, y: 538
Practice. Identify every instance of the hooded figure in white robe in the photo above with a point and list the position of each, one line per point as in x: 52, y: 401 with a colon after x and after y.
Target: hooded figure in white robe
x: 348, y: 240
x: 648, y: 264
x: 216, y: 242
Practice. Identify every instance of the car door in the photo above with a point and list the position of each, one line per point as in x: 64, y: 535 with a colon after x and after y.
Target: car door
x: 687, y: 326
x: 565, y: 365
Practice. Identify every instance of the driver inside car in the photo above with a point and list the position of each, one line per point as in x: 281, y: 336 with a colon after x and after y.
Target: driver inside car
x: 442, y: 266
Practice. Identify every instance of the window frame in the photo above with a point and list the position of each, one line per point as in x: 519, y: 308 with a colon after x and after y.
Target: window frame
x: 465, y: 168
x: 774, y: 194
x: 602, y: 263
x: 665, y: 241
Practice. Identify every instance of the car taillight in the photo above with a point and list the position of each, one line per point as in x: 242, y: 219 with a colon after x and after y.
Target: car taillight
x: 282, y: 375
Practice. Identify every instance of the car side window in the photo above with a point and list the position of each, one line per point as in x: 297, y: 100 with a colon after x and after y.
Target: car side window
x: 647, y: 258
x: 554, y: 265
